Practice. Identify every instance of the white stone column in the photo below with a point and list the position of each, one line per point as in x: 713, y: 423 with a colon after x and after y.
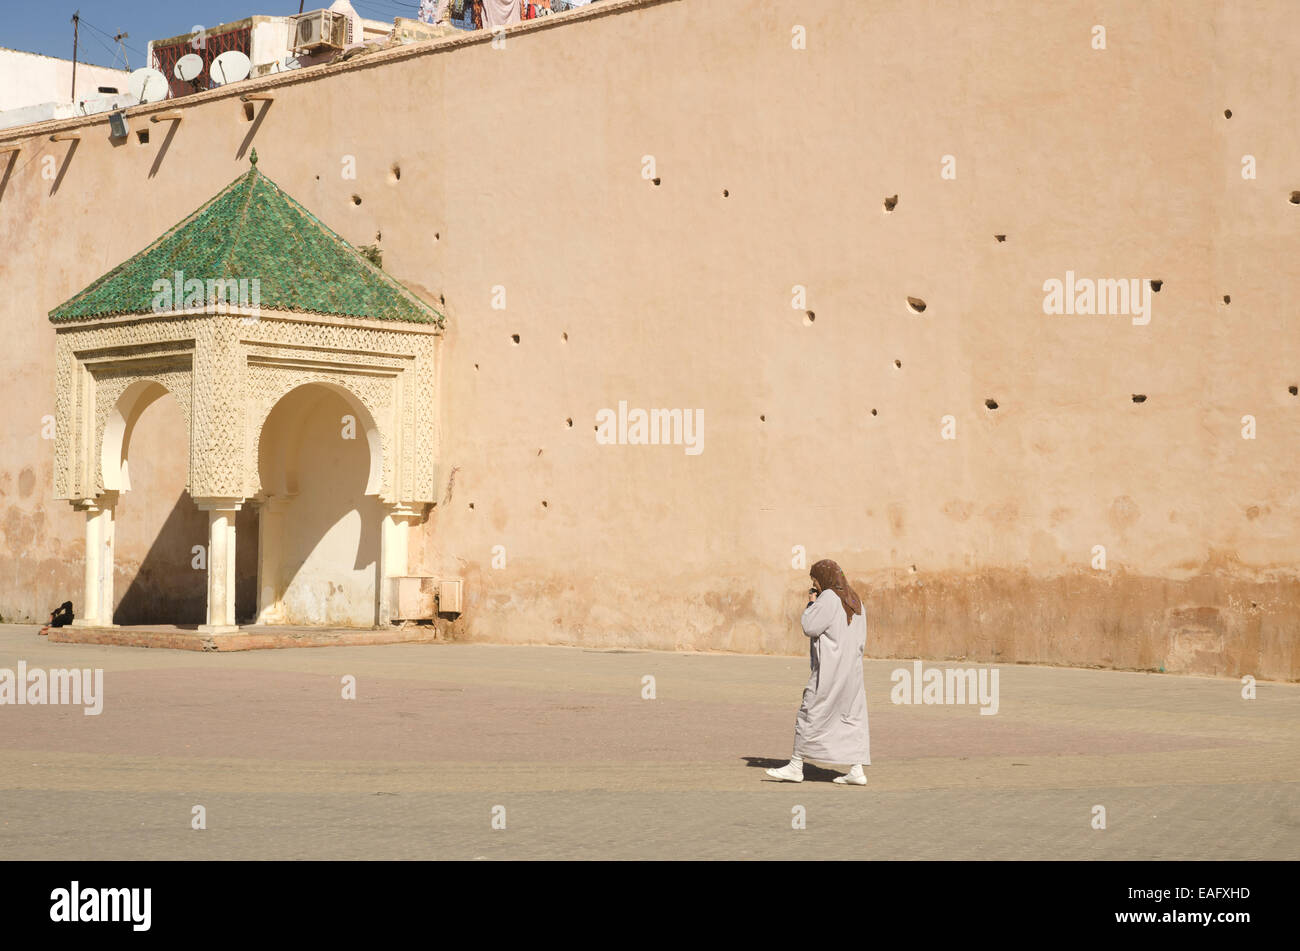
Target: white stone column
x: 107, y: 551
x: 96, y: 609
x: 270, y: 554
x: 394, y: 552
x: 221, y: 564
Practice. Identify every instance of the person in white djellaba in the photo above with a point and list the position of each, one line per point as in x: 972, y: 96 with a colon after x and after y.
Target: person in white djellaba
x: 832, y: 723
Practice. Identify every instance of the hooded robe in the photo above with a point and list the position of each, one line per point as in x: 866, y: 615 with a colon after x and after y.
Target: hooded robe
x: 832, y: 723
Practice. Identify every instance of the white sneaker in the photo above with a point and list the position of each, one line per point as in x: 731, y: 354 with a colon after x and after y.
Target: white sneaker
x: 788, y: 773
x: 854, y: 777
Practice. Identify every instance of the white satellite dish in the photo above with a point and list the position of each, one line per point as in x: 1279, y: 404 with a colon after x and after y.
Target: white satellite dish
x: 230, y: 67
x: 285, y: 63
x: 147, y: 85
x: 188, y: 66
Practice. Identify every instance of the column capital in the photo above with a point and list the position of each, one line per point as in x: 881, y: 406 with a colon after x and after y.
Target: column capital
x: 98, y: 503
x: 272, y: 503
x: 403, y: 510
x: 218, y: 504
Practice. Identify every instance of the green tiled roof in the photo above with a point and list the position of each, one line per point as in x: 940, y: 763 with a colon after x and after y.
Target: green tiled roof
x: 250, y: 230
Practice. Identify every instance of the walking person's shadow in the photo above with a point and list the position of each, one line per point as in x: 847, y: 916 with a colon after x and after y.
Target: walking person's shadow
x: 810, y: 772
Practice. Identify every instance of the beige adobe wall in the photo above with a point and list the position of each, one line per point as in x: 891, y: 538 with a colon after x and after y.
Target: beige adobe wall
x: 522, y: 167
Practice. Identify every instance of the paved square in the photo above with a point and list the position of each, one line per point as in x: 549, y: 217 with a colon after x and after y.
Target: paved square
x: 440, y: 734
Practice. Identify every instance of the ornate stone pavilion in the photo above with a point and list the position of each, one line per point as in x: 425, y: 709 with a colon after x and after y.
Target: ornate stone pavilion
x: 248, y: 300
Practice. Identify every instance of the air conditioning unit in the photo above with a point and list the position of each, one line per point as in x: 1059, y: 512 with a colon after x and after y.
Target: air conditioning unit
x: 320, y: 30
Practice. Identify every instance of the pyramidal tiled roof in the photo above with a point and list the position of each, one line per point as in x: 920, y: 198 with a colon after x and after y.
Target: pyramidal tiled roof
x: 254, y: 230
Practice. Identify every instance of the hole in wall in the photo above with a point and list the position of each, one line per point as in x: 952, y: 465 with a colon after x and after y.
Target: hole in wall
x: 1227, y: 298
x: 762, y: 418
x: 476, y: 366
x: 395, y: 174
x: 898, y: 364
x: 564, y: 337
x: 654, y: 181
x: 142, y: 136
x: 569, y: 422
x: 318, y: 178
x: 1295, y: 198
x: 1293, y: 389
x: 471, y: 505
x: 1139, y: 397
x: 916, y: 305
x: 515, y: 338
x: 1156, y: 285
x: 808, y: 318
x: 1000, y: 237
x: 725, y: 193
x: 356, y: 199
x: 545, y: 503
x: 437, y: 236
x: 891, y: 203
x: 873, y: 411
x: 991, y: 404
x: 1227, y: 113
x: 248, y: 112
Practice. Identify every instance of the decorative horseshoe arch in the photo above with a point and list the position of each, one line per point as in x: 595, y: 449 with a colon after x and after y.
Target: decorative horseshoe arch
x: 115, y: 435
x: 286, y: 453
x: 322, y: 314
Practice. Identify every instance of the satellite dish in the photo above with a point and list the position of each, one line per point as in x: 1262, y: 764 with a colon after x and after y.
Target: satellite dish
x: 285, y: 63
x: 230, y: 67
x: 147, y: 85
x: 188, y: 66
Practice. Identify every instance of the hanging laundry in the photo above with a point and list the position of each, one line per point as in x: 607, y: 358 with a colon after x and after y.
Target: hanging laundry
x: 434, y: 11
x: 500, y: 13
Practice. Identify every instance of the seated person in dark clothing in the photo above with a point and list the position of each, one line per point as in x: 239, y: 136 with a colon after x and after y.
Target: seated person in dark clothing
x: 60, y: 617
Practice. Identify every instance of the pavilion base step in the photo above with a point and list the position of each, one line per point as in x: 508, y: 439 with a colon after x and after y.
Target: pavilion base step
x: 245, y: 638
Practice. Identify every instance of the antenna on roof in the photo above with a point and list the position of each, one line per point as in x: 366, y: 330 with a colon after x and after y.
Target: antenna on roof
x: 121, y: 48
x: 76, y: 30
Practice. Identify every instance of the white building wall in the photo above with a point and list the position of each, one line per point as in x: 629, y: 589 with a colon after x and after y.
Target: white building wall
x: 30, y: 79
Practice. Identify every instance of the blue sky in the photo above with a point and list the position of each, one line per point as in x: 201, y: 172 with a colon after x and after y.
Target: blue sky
x: 45, y: 26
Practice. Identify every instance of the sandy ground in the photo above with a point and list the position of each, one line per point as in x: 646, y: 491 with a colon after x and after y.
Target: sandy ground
x: 440, y: 735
